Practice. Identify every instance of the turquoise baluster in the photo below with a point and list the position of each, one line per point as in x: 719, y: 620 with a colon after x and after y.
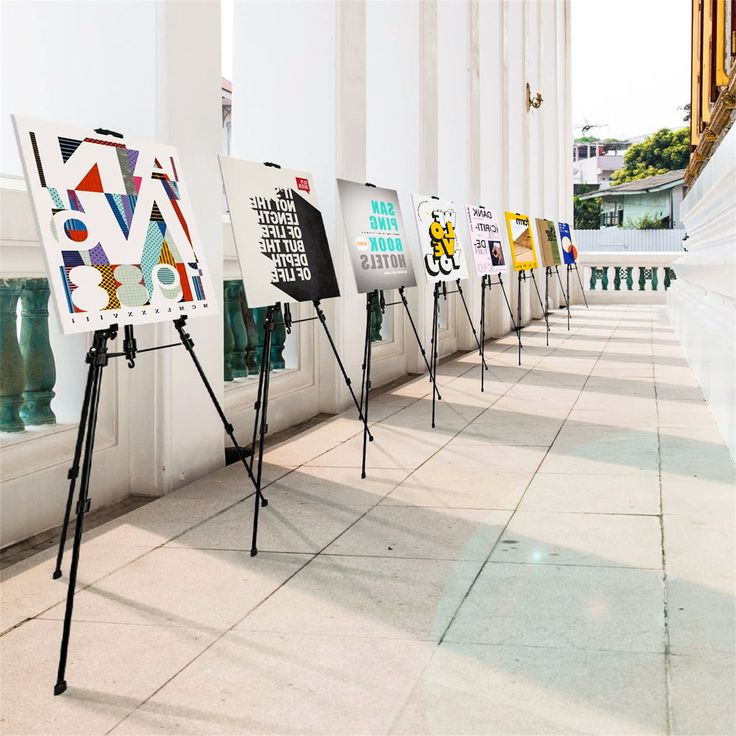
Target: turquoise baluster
x: 227, y: 341
x: 11, y: 370
x: 251, y: 350
x: 38, y: 359
x: 237, y: 327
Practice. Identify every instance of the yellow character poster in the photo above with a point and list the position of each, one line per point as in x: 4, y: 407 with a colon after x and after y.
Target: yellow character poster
x: 521, y: 241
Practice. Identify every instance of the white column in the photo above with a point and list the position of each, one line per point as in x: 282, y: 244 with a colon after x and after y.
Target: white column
x: 174, y: 432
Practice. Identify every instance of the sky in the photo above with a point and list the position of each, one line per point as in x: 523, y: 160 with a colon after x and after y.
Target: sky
x: 630, y: 65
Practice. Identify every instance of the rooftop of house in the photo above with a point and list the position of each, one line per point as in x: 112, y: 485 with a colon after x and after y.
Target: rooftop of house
x: 641, y: 186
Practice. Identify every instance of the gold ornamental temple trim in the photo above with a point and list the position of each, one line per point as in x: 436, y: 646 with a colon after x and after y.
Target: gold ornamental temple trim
x: 721, y: 119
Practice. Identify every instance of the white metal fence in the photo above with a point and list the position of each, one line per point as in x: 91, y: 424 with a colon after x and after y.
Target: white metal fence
x: 617, y: 239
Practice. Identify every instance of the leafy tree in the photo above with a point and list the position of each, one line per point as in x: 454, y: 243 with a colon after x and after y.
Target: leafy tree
x: 586, y: 212
x: 663, y: 151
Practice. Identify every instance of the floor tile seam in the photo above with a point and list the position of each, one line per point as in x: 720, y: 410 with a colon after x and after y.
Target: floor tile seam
x: 665, y: 608
x: 566, y: 565
x: 526, y: 488
x: 590, y: 513
x: 551, y: 648
x: 212, y: 630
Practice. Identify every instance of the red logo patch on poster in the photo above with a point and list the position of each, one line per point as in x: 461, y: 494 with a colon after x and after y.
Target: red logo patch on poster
x: 302, y: 184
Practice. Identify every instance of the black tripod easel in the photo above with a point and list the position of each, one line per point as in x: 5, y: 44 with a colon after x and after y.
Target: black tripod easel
x: 97, y: 359
x: 486, y: 283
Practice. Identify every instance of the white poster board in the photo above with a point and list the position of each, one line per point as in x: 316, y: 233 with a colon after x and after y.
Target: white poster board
x: 279, y: 234
x: 485, y: 241
x: 116, y: 227
x: 443, y: 255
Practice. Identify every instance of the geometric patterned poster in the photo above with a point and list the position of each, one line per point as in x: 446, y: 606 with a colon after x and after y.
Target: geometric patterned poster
x: 116, y: 228
x: 485, y: 241
x: 548, y: 245
x: 375, y: 237
x: 443, y: 256
x: 279, y: 233
x: 521, y: 240
x: 569, y: 251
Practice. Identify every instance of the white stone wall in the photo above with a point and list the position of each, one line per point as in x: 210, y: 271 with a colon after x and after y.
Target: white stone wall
x: 702, y: 302
x: 420, y: 96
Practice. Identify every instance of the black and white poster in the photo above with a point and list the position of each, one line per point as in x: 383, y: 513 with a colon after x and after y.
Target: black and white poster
x: 375, y: 237
x: 279, y: 234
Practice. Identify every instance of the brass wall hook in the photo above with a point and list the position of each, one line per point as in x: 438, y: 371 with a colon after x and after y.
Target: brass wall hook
x: 535, y: 102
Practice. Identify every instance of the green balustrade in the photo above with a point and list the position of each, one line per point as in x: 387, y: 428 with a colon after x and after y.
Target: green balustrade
x: 376, y: 321
x: 599, y: 272
x: 234, y: 317
x: 39, y: 370
x: 278, y: 340
x: 11, y: 370
x: 626, y: 274
x: 227, y: 341
x: 251, y: 350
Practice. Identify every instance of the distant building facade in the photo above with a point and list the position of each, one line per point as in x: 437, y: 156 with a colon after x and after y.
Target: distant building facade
x: 656, y: 197
x: 594, y: 162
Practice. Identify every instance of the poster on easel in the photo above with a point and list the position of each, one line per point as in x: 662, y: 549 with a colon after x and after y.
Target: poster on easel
x: 443, y: 255
x: 548, y: 245
x: 279, y: 233
x: 485, y: 241
x: 569, y: 251
x: 376, y: 239
x: 116, y: 227
x: 521, y: 241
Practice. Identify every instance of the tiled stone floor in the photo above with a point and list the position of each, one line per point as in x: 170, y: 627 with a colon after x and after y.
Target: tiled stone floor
x: 557, y: 556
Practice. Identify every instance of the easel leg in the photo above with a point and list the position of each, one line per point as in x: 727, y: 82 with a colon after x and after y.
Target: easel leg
x: 582, y: 288
x: 418, y: 339
x: 568, y: 295
x: 188, y: 343
x: 511, y: 311
x: 470, y: 320
x: 262, y: 415
x: 544, y: 310
x: 366, y: 387
x: 518, y: 315
x: 435, y: 339
x: 97, y: 358
x: 482, y: 330
x: 567, y: 300
x: 348, y: 382
x: 73, y: 473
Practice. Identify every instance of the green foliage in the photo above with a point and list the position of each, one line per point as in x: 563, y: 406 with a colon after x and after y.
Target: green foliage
x: 663, y: 151
x: 648, y: 222
x: 587, y: 139
x: 587, y: 213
